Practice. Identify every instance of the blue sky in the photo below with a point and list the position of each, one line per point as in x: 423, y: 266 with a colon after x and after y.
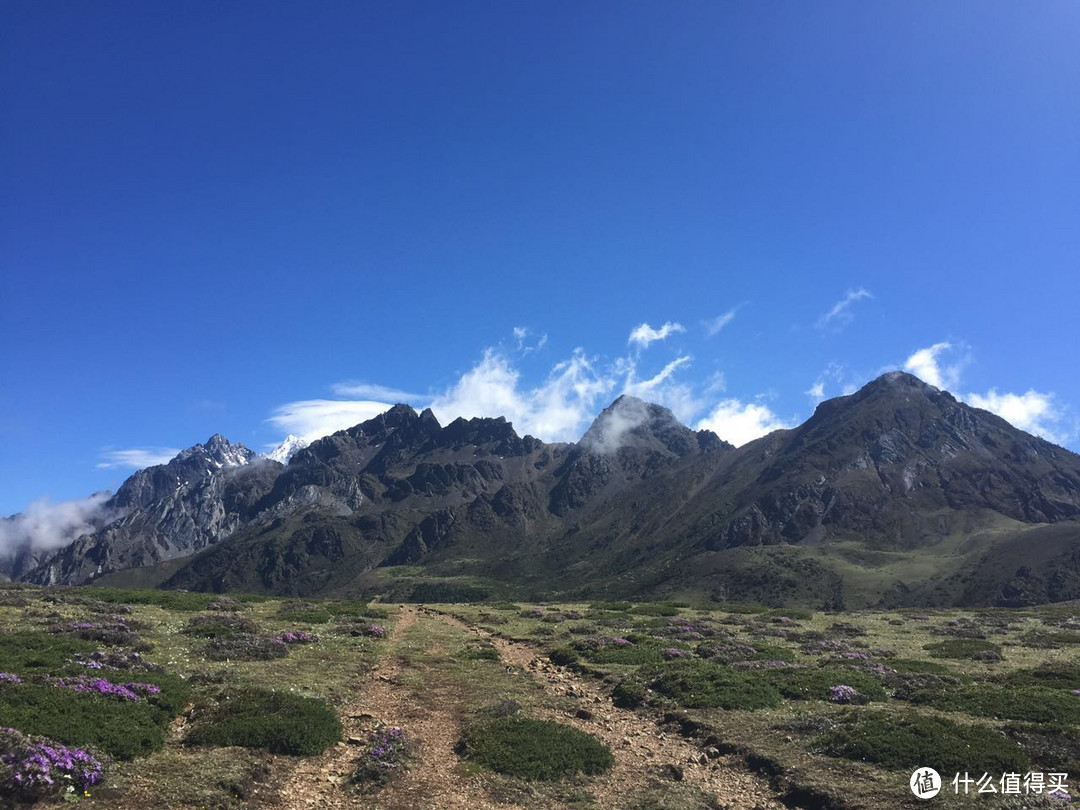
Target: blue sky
x: 236, y: 217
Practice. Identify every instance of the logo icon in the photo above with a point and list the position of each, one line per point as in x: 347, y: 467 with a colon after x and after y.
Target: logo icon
x: 925, y: 783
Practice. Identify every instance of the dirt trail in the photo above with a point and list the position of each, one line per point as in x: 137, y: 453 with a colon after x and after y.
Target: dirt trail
x: 437, y: 782
x: 644, y: 754
x: 641, y: 748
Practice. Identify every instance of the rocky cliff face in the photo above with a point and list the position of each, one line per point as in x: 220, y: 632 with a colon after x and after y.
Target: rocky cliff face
x: 640, y: 504
x: 171, y: 510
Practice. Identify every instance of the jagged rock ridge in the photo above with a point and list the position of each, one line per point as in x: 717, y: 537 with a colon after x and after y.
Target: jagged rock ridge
x: 642, y: 504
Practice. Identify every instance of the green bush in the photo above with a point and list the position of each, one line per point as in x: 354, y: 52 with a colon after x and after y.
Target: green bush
x: 563, y: 656
x: 1055, y: 746
x: 915, y: 667
x: 304, y: 612
x: 701, y: 684
x: 635, y: 654
x: 448, y: 592
x: 121, y: 729
x: 245, y: 647
x: 1033, y: 704
x: 28, y: 653
x: 1052, y: 674
x: 914, y: 740
x: 628, y: 693
x: 534, y: 749
x: 961, y: 649
x: 280, y: 722
x: 813, y: 683
x: 656, y: 609
x: 618, y: 607
x: 220, y: 625
x: 170, y: 600
x: 480, y: 651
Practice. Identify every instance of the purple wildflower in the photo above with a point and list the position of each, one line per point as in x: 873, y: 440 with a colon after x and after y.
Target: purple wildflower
x: 10, y: 677
x: 842, y: 693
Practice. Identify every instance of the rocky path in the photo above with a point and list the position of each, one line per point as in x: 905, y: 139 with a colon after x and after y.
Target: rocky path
x: 641, y: 748
x: 436, y: 782
x: 399, y: 693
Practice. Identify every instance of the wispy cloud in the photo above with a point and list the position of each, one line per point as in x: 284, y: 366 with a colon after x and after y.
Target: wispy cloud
x: 643, y: 335
x: 739, y: 422
x: 840, y: 315
x: 135, y: 458
x: 45, y: 524
x: 714, y: 325
x: 311, y: 419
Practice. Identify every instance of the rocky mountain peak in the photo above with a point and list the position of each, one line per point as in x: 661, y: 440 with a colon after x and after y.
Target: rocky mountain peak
x: 632, y: 422
x: 219, y: 451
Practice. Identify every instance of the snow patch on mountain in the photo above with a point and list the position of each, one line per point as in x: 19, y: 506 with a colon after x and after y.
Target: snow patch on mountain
x: 287, y: 449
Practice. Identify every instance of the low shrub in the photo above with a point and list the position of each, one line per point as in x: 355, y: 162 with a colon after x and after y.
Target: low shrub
x: 628, y: 693
x: 480, y: 651
x: 304, y: 612
x: 245, y: 648
x: 1033, y: 704
x: 702, y: 684
x: 655, y: 609
x: 447, y: 592
x: 1052, y: 674
x: 914, y: 740
x: 170, y: 600
x: 279, y: 722
x: 634, y: 654
x: 961, y: 649
x: 534, y: 749
x: 122, y: 729
x: 563, y: 656
x: 29, y: 653
x: 220, y: 625
x: 814, y: 683
x: 906, y: 665
x: 1055, y: 746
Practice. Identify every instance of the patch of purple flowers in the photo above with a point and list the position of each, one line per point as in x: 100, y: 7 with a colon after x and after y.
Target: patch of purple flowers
x: 36, y: 767
x: 116, y: 659
x: 297, y: 637
x: 124, y: 691
x: 671, y: 653
x: 374, y: 630
x: 842, y: 693
x: 10, y: 677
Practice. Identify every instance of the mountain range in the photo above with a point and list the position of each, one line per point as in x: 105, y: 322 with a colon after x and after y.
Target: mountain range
x: 898, y: 494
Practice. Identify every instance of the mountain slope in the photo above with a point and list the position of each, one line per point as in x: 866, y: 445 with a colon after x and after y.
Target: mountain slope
x: 885, y: 496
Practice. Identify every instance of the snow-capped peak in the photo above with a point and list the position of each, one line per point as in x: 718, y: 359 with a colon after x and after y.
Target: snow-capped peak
x: 287, y: 449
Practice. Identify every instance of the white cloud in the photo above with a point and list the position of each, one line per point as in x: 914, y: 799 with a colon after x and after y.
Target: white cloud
x: 663, y: 389
x: 816, y: 391
x: 740, y: 422
x: 47, y: 525
x: 311, y: 419
x: 135, y: 458
x: 1034, y: 411
x: 930, y: 366
x: 644, y: 334
x: 557, y: 410
x: 720, y: 321
x: 840, y: 315
x: 521, y: 336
